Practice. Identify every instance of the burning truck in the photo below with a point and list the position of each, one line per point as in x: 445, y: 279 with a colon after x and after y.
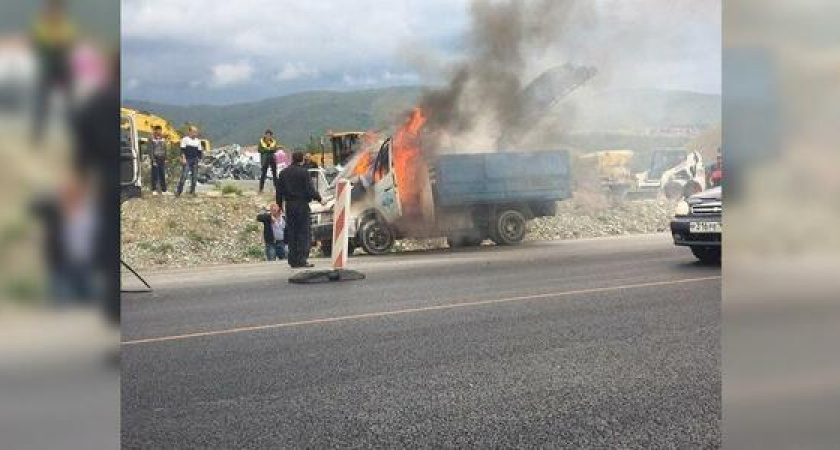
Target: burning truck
x: 398, y: 192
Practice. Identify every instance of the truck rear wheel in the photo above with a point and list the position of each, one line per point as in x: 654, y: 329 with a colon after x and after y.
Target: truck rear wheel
x: 375, y: 237
x: 508, y: 227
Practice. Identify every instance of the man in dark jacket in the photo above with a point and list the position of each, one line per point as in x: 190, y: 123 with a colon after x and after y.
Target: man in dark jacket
x: 274, y: 225
x: 156, y: 148
x: 294, y: 187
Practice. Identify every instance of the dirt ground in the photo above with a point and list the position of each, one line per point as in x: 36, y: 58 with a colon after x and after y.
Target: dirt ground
x: 161, y: 232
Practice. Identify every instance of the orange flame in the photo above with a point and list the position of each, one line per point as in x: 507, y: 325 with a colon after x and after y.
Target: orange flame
x: 365, y: 160
x: 409, y: 166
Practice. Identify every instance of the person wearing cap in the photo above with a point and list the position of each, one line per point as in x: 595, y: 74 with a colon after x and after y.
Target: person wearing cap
x: 190, y: 155
x: 268, y: 145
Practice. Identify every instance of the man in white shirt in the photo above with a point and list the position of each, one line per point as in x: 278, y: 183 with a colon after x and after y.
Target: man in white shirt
x: 190, y: 155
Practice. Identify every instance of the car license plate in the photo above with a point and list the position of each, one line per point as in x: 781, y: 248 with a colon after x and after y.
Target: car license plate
x: 705, y: 227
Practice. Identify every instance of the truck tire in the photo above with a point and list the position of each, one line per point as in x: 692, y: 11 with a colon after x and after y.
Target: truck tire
x: 707, y: 255
x: 375, y: 237
x: 508, y: 227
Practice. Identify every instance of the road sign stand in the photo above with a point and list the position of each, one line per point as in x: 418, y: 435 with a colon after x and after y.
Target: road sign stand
x: 341, y: 229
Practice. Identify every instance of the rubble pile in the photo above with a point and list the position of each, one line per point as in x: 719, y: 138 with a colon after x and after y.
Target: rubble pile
x: 227, y: 163
x: 169, y: 232
x: 186, y: 231
x: 576, y: 220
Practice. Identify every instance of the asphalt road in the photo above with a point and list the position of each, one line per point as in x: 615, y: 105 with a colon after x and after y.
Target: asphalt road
x: 591, y: 343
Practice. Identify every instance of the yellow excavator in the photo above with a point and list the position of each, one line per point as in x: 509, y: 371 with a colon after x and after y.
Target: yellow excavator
x: 144, y: 122
x: 344, y: 145
x: 611, y: 169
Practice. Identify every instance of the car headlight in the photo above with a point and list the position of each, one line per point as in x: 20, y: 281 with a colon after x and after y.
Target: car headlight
x: 682, y: 208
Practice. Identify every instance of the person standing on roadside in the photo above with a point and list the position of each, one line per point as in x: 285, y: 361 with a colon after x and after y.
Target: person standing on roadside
x: 157, y: 152
x: 190, y: 155
x: 267, y: 147
x: 281, y: 159
x: 273, y: 232
x: 53, y: 37
x: 294, y: 187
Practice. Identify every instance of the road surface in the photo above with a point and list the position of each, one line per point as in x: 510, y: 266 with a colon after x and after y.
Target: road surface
x: 591, y: 343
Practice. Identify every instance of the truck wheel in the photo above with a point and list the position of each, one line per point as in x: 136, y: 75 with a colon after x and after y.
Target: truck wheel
x: 508, y: 227
x: 375, y: 237
x: 707, y: 255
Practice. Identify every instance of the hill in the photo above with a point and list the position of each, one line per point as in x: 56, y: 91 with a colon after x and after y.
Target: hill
x: 294, y: 117
x: 642, y: 109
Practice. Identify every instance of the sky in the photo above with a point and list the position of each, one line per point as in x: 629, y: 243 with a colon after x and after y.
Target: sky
x: 221, y: 52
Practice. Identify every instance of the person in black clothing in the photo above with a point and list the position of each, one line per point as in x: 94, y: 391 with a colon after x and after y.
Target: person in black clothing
x: 96, y: 132
x: 294, y: 187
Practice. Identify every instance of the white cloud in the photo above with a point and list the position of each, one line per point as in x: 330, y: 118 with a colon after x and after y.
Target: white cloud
x: 230, y: 74
x: 406, y: 77
x: 295, y: 71
x: 359, y: 81
x: 386, y: 78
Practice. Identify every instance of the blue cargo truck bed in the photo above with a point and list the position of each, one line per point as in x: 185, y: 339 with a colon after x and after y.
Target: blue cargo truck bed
x: 488, y: 178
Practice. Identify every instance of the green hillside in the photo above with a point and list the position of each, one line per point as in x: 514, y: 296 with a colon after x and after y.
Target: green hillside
x: 294, y: 117
x: 291, y: 117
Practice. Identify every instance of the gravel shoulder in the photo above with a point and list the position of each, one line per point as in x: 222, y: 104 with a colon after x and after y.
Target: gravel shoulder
x: 168, y: 232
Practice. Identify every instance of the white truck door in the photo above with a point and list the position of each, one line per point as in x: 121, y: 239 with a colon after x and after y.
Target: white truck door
x: 386, y: 195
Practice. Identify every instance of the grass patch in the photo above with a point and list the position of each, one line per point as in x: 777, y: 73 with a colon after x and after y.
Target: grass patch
x: 251, y: 227
x: 230, y: 188
x: 197, y: 238
x: 172, y: 224
x: 24, y: 291
x: 255, y: 252
x: 156, y: 248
